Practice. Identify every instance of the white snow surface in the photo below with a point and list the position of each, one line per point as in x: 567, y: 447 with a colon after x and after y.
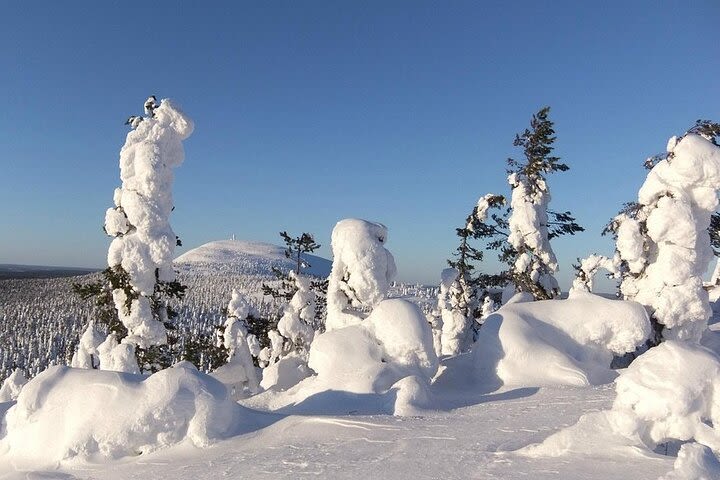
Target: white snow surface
x: 558, y: 342
x: 66, y: 413
x: 251, y: 257
x: 694, y: 461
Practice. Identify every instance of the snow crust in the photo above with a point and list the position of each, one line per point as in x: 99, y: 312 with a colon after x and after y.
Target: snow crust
x: 67, y: 413
x: 558, y: 342
x: 361, y: 273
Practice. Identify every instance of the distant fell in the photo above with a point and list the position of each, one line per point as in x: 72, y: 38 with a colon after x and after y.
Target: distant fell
x: 252, y: 258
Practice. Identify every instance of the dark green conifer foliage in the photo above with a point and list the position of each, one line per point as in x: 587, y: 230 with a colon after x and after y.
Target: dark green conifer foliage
x: 150, y: 359
x: 536, y: 143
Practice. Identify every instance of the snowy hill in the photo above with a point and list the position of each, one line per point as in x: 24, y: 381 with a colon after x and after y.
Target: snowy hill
x: 251, y: 258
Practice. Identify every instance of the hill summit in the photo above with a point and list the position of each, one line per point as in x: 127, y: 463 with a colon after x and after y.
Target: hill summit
x: 252, y: 258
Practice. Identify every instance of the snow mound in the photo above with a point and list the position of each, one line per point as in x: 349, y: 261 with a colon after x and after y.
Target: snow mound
x: 558, y: 342
x: 382, y: 364
x: 694, y: 461
x: 669, y: 394
x: 253, y: 258
x: 66, y: 412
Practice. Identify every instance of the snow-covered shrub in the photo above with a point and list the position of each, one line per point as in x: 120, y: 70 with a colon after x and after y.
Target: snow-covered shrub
x: 12, y: 386
x: 87, y: 355
x: 671, y: 392
x: 239, y: 373
x: 142, y: 250
x: 112, y: 414
x: 566, y: 342
x: 294, y: 327
x: 457, y: 334
x: 663, y: 241
x: 361, y: 273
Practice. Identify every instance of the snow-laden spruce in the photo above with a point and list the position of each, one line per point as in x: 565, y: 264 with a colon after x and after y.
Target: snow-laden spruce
x: 361, y: 272
x: 457, y: 335
x: 665, y: 245
x: 239, y: 374
x: 144, y: 242
x: 87, y: 355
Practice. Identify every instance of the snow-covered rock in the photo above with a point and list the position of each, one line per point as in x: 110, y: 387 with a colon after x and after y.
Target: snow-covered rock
x: 568, y: 342
x: 65, y: 413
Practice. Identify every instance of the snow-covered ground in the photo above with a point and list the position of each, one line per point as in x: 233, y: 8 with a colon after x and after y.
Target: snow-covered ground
x: 475, y: 439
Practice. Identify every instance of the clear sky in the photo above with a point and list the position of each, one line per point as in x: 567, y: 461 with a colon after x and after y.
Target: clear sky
x: 401, y: 112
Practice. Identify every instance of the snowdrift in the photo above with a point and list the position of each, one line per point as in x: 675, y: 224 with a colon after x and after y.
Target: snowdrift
x: 669, y: 394
x: 92, y: 414
x: 558, y: 342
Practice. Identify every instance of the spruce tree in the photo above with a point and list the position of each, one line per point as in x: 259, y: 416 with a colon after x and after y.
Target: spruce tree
x: 522, y: 232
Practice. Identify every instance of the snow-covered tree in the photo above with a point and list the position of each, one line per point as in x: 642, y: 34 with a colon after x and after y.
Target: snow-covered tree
x: 522, y: 233
x: 87, y: 355
x: 663, y: 240
x: 361, y: 272
x: 239, y: 373
x: 12, y: 385
x: 453, y: 298
x: 141, y: 253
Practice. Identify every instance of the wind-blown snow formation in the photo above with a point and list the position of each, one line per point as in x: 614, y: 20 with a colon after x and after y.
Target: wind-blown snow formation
x: 65, y: 413
x: 566, y: 342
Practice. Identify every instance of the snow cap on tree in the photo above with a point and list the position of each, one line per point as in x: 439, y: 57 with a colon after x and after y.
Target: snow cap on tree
x: 362, y: 270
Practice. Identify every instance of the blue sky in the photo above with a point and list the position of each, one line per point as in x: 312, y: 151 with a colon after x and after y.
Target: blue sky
x: 310, y: 112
